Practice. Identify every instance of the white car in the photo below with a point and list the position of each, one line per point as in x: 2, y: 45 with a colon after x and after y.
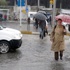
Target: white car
x: 31, y: 14
x: 66, y: 25
x: 10, y: 39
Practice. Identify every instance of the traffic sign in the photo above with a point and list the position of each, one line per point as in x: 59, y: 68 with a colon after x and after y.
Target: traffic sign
x: 22, y: 2
x: 51, y: 1
x: 26, y: 9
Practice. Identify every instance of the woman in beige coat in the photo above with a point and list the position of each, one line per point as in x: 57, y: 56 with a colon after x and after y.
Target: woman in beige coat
x: 57, y: 39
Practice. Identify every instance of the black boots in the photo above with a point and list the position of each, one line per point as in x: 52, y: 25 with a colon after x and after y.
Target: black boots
x: 61, y: 54
x: 56, y: 55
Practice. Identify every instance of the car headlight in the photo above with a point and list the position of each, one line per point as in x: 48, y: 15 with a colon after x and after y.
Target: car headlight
x: 18, y: 36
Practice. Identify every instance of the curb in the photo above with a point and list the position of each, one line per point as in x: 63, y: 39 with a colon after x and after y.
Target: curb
x: 37, y: 33
x: 68, y: 34
x: 29, y: 32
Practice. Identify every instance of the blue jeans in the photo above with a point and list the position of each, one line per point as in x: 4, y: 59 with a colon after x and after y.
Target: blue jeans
x: 42, y: 32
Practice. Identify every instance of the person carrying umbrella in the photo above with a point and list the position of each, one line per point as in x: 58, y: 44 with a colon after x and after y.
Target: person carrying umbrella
x: 43, y: 28
x: 57, y: 39
x: 42, y: 23
x: 28, y: 21
x: 36, y: 23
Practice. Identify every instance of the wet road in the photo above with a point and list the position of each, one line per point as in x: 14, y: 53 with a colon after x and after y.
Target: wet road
x: 35, y: 54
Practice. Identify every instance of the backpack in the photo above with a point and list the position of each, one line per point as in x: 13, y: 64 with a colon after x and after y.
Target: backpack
x: 55, y: 27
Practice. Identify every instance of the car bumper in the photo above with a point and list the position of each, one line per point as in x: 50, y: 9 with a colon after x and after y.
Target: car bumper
x: 14, y: 44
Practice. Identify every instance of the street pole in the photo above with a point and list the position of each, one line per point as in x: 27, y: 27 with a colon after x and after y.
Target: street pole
x: 38, y: 4
x: 15, y: 6
x: 60, y: 5
x: 54, y: 12
x: 26, y: 3
x: 20, y: 13
x: 27, y: 15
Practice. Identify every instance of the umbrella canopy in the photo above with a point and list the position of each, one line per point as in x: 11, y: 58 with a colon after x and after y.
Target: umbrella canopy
x: 40, y: 16
x: 65, y: 18
x: 42, y: 12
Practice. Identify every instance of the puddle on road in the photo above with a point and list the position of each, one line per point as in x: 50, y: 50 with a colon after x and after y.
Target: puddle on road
x: 10, y: 57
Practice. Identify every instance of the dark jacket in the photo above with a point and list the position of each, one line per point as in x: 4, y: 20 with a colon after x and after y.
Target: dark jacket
x: 42, y: 24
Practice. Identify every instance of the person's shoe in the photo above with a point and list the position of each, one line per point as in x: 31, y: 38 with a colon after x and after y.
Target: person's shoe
x: 46, y: 32
x: 44, y: 35
x: 56, y: 59
x: 60, y: 58
x: 40, y: 35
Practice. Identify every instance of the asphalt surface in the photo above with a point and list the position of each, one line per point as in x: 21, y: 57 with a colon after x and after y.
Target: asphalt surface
x: 34, y: 54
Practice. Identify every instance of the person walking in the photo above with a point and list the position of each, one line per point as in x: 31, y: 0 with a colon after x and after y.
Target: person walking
x: 28, y: 26
x: 5, y: 17
x: 50, y: 20
x: 36, y: 23
x: 57, y: 39
x: 42, y: 28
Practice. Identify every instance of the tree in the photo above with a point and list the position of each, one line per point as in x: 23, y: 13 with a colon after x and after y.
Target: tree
x: 3, y: 2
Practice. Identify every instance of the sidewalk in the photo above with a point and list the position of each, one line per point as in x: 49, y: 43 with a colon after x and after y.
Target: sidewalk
x: 23, y: 28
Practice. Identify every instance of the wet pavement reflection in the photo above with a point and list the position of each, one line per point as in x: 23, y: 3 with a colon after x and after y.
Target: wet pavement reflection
x: 57, y: 66
x: 35, y: 54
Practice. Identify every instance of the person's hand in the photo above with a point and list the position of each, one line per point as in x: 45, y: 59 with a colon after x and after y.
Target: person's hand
x: 51, y: 40
x: 64, y: 32
x: 46, y: 27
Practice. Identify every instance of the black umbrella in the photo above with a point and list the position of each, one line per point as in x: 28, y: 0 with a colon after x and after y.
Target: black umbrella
x: 40, y: 16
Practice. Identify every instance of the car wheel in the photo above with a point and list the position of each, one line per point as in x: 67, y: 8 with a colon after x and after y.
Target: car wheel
x: 4, y: 47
